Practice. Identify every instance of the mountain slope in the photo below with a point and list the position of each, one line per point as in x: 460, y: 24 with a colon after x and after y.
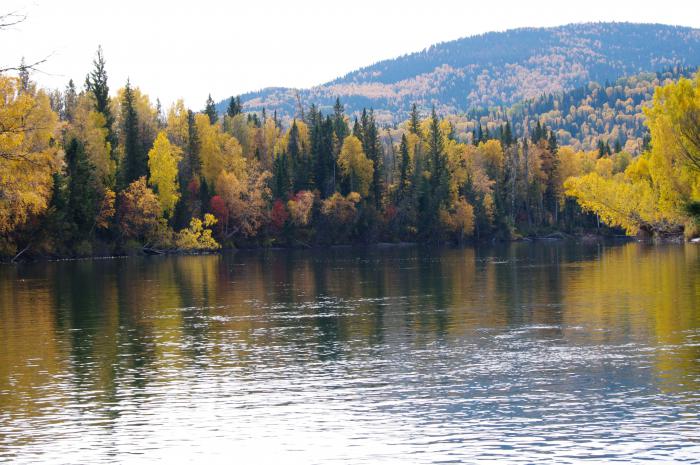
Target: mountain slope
x: 497, y: 68
x: 610, y: 112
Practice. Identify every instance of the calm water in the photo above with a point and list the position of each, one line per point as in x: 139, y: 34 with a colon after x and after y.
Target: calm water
x: 526, y: 353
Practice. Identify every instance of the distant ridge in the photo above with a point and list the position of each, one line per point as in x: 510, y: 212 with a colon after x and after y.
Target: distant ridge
x: 495, y: 68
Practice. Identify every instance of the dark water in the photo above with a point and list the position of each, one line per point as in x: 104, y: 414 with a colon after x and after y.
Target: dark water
x: 527, y: 353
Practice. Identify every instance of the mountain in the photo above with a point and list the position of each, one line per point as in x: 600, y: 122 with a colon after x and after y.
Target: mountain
x: 496, y: 68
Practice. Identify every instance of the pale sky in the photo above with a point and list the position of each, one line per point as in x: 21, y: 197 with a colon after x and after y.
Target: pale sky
x: 187, y: 49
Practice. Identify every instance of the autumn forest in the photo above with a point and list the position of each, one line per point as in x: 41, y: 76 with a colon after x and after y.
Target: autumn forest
x: 89, y: 172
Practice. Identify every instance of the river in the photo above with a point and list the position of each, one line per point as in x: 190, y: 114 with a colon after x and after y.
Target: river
x: 519, y: 353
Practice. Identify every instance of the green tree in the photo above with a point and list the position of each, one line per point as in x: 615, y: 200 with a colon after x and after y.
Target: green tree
x: 234, y: 107
x: 82, y: 195
x: 135, y: 163
x: 414, y: 124
x: 210, y: 110
x: 97, y: 84
x: 404, y: 169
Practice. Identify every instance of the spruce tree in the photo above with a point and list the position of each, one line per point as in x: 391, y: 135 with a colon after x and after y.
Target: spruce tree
x: 340, y: 127
x: 322, y: 155
x: 210, y: 110
x: 135, y: 162
x: 82, y: 195
x: 194, y: 163
x: 414, y: 125
x: 552, y: 142
x: 438, y: 164
x: 232, y: 109
x: 280, y: 176
x: 357, y: 129
x: 96, y: 82
x: 404, y: 168
x: 372, y: 149
x: 618, y: 146
x: 70, y: 101
x: 507, y: 135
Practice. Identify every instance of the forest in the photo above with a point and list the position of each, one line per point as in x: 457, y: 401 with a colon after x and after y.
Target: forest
x: 87, y: 173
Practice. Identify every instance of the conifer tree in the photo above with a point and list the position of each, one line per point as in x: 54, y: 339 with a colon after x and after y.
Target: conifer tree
x: 372, y: 149
x: 414, y: 125
x: 70, y: 100
x: 82, y: 195
x: 357, y: 129
x: 280, y: 176
x: 135, y: 162
x: 210, y: 110
x: 404, y: 168
x: 232, y: 109
x: 96, y: 82
x: 340, y: 127
x: 438, y: 164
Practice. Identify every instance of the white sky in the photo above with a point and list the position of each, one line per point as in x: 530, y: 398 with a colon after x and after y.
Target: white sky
x: 173, y: 49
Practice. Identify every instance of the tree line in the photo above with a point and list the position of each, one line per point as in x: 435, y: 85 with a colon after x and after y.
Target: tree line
x: 84, y: 172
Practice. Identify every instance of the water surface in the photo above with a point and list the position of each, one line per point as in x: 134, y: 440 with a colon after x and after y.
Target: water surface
x: 522, y: 353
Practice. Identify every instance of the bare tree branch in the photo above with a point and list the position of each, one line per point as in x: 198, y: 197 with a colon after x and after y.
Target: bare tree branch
x: 11, y: 19
x: 29, y: 67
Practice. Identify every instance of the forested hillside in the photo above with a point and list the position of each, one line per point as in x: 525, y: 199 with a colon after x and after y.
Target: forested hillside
x: 605, y: 116
x: 497, y: 68
x: 92, y: 171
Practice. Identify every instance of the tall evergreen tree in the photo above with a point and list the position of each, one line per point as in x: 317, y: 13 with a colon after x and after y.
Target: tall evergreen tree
x: 507, y: 135
x: 322, y: 154
x: 135, y: 162
x: 372, y: 149
x: 195, y: 164
x: 70, y: 101
x: 299, y: 161
x: 82, y: 195
x: 281, y: 182
x: 96, y: 83
x: 404, y: 168
x: 210, y: 110
x: 357, y: 129
x: 438, y: 164
x: 340, y: 127
x: 552, y: 142
x: 414, y: 124
x: 232, y: 109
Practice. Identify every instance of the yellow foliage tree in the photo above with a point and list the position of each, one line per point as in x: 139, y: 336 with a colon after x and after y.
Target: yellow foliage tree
x: 300, y: 207
x: 89, y: 126
x: 341, y: 210
x: 162, y: 164
x: 355, y: 166
x: 460, y: 219
x: 28, y: 158
x: 141, y: 215
x: 245, y: 200
x: 657, y: 189
x: 218, y: 151
x: 198, y: 236
x: 674, y: 164
x: 177, y: 124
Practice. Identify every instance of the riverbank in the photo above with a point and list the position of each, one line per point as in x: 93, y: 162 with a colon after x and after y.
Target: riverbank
x: 28, y: 257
